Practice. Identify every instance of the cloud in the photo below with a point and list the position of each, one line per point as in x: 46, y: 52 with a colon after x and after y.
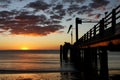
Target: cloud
x: 36, y: 30
x: 30, y: 25
x: 72, y: 9
x: 97, y: 16
x: 41, y: 18
x: 20, y: 28
x: 6, y: 14
x: 90, y: 15
x: 99, y: 3
x: 56, y: 17
x: 85, y: 10
x: 71, y: 1
x: 3, y: 6
x: 38, y: 5
x: 5, y: 1
x: 58, y: 9
x: 69, y: 19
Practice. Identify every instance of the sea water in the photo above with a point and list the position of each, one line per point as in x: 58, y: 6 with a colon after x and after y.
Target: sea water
x: 44, y: 61
x: 29, y: 60
x: 38, y: 60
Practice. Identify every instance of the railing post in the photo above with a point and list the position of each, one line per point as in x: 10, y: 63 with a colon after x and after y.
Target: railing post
x: 84, y: 37
x: 94, y: 30
x: 87, y: 35
x: 113, y: 20
x: 90, y: 33
x: 101, y: 29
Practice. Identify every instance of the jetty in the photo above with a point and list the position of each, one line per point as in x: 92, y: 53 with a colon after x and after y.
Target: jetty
x: 89, y: 54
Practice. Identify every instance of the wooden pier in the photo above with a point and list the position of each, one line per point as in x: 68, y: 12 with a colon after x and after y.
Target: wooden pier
x: 89, y: 54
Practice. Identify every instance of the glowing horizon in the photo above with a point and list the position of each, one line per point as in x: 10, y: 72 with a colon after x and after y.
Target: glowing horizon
x: 40, y: 25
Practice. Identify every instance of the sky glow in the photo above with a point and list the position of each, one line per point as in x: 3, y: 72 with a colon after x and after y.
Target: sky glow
x: 43, y: 24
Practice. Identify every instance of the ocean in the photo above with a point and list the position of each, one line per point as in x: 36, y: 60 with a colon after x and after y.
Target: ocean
x: 47, y: 62
x: 29, y: 60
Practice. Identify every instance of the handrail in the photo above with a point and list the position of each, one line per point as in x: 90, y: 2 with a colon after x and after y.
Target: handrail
x: 102, y: 25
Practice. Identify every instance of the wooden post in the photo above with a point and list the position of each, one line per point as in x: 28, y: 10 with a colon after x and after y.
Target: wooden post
x: 90, y: 33
x: 94, y: 63
x: 87, y: 64
x: 61, y: 53
x: 103, y: 64
x: 65, y: 53
x: 72, y: 56
x: 94, y: 31
x: 77, y: 29
x: 113, y: 20
x: 101, y: 30
x: 90, y: 64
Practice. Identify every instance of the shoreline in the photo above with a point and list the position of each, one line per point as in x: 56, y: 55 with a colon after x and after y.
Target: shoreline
x: 111, y: 72
x: 34, y: 71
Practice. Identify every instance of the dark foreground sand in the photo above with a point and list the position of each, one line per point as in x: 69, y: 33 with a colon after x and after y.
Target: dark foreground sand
x: 41, y: 76
x: 20, y: 75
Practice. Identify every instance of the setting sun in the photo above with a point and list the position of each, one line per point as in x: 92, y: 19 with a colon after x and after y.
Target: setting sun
x: 24, y: 48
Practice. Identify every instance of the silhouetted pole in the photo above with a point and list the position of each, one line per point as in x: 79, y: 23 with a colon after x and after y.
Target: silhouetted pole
x: 113, y: 20
x: 61, y: 53
x: 76, y: 30
x: 78, y: 21
x: 103, y: 63
x: 71, y: 37
x: 71, y: 33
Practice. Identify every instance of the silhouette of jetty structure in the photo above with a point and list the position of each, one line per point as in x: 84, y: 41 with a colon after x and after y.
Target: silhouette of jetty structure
x: 89, y: 53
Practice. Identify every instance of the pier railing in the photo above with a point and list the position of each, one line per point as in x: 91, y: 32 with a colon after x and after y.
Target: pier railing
x: 104, y: 29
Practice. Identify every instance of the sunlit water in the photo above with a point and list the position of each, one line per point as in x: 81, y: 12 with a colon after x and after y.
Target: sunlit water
x: 42, y: 61
x: 23, y: 60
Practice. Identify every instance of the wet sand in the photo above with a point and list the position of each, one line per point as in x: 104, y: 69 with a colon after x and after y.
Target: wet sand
x: 41, y: 76
x: 30, y: 76
x: 48, y: 75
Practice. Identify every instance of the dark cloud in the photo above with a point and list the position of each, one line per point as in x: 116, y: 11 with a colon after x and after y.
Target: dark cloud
x: 38, y: 5
x: 69, y: 19
x: 58, y: 7
x: 5, y: 1
x: 30, y: 25
x: 72, y: 9
x: 35, y: 30
x: 97, y: 16
x: 99, y: 3
x: 56, y: 17
x: 90, y: 15
x: 3, y: 5
x: 6, y: 14
x: 29, y: 21
x: 9, y: 1
x: 56, y: 22
x: 85, y: 10
x: 72, y: 1
x: 61, y: 12
x: 30, y: 29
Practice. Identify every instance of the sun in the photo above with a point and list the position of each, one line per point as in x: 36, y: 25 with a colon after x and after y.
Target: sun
x: 24, y: 48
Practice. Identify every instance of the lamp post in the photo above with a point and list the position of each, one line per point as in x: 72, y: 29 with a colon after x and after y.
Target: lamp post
x: 78, y: 21
x: 71, y: 33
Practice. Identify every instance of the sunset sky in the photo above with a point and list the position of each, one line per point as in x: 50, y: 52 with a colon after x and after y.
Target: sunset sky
x: 43, y: 24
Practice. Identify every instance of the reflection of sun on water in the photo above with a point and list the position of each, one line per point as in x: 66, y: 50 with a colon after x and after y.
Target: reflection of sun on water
x: 24, y: 48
